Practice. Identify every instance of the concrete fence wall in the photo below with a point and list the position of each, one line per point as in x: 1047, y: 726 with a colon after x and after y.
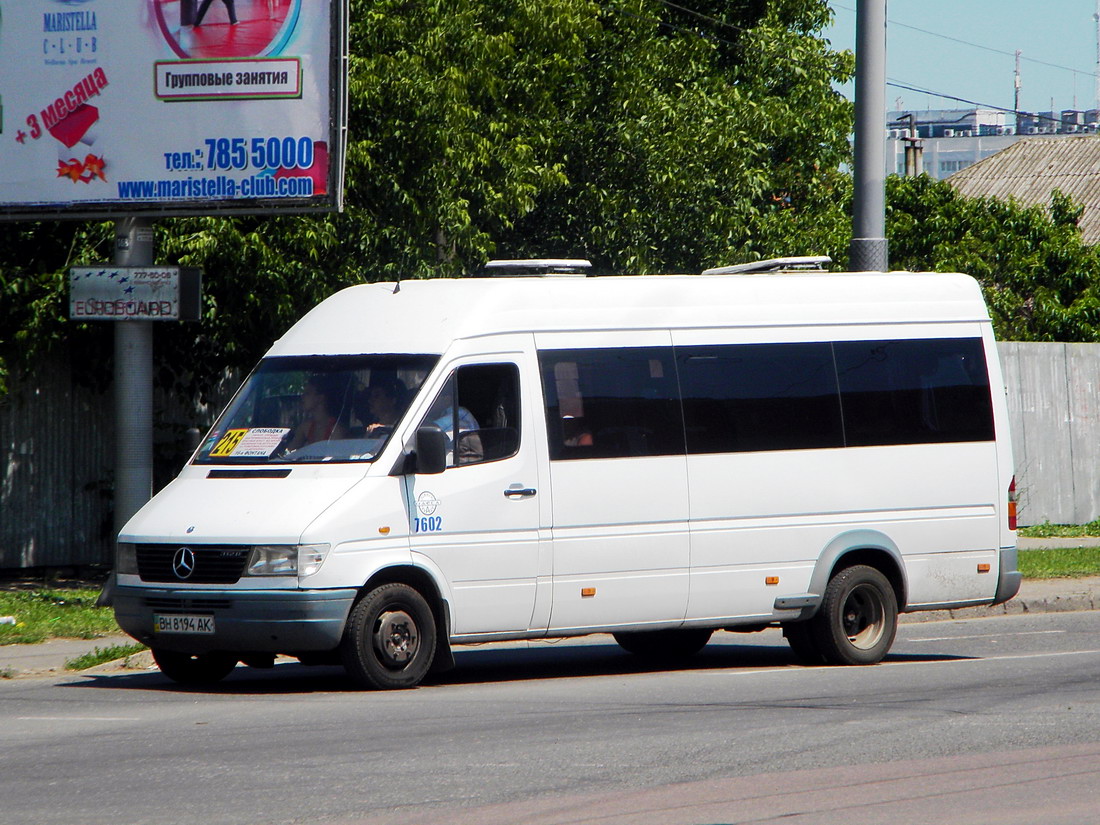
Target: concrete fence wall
x: 1054, y: 410
x: 57, y: 453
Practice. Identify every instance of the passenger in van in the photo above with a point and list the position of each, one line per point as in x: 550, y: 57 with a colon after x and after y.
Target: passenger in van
x: 575, y: 432
x: 385, y: 401
x: 320, y: 413
x: 442, y: 414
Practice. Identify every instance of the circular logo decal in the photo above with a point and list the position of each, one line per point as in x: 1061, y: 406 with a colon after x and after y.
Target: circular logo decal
x: 426, y: 503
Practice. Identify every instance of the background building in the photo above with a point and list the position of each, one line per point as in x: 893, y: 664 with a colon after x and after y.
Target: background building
x: 954, y: 139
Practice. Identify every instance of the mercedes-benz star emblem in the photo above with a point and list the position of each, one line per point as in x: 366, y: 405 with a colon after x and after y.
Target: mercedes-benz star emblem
x: 183, y: 563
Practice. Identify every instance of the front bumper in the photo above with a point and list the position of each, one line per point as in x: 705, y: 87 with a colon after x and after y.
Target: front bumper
x: 245, y: 621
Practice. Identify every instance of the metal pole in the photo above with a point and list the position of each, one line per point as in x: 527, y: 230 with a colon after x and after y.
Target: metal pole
x: 133, y: 374
x: 868, y: 251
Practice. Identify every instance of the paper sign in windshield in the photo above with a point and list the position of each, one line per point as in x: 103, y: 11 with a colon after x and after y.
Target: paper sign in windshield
x: 260, y: 442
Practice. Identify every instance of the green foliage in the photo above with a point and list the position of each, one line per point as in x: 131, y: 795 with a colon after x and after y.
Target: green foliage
x: 634, y: 132
x: 1041, y: 281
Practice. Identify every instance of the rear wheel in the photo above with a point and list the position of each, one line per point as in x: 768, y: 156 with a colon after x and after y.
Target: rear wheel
x: 194, y: 668
x: 389, y: 641
x: 858, y: 617
x: 665, y: 644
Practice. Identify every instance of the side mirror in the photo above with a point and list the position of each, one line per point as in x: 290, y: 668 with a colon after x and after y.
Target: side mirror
x: 431, y: 450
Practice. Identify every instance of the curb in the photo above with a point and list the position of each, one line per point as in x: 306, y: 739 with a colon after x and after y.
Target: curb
x: 1035, y: 596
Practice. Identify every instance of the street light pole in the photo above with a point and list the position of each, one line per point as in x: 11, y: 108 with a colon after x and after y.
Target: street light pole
x: 868, y: 252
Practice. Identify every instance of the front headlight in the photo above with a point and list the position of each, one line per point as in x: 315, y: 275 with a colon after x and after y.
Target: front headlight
x: 286, y: 560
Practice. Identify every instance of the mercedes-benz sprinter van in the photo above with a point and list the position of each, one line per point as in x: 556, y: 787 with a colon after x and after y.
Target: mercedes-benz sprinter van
x: 424, y: 464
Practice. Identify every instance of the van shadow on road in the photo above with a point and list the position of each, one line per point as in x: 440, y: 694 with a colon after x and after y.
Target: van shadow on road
x: 487, y: 665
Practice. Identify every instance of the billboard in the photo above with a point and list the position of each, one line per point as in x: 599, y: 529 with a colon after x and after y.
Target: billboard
x: 171, y: 107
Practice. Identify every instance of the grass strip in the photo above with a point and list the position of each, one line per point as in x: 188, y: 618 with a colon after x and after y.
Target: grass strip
x: 1046, y: 530
x: 1059, y: 563
x: 48, y: 613
x: 102, y: 656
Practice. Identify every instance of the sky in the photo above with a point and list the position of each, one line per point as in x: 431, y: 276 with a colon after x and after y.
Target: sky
x: 966, y: 49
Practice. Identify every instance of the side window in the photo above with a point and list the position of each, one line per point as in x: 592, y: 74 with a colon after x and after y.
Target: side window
x: 478, y: 409
x: 914, y: 391
x: 754, y: 397
x: 611, y: 403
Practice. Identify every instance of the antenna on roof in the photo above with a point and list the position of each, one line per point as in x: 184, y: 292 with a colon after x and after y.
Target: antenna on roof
x: 805, y: 263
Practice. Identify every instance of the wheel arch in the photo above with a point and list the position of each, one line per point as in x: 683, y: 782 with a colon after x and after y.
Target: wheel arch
x: 425, y: 584
x: 867, y: 547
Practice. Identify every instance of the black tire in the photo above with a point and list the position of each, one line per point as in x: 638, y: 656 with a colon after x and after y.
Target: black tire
x: 665, y: 644
x: 389, y: 641
x: 194, y: 668
x: 800, y: 637
x: 858, y: 617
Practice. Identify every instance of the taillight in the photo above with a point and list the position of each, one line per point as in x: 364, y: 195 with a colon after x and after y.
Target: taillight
x: 1012, y: 504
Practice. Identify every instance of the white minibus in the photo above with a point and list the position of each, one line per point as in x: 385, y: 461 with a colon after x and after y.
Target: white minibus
x: 424, y: 464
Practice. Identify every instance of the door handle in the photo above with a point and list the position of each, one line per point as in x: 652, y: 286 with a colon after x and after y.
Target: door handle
x: 519, y: 492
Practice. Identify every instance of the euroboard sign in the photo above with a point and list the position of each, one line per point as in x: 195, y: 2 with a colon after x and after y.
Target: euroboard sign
x: 134, y: 293
x: 171, y: 107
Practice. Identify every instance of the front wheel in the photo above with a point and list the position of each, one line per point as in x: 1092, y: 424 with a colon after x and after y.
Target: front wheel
x: 858, y: 617
x: 194, y: 668
x: 389, y: 641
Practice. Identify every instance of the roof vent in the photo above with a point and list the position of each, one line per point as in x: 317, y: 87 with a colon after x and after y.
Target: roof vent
x: 811, y: 263
x: 537, y: 267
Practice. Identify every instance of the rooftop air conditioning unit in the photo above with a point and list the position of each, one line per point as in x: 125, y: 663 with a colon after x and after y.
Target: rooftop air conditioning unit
x: 949, y: 133
x: 576, y: 267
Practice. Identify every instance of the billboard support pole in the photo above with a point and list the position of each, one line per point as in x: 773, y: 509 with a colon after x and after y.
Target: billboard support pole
x: 133, y: 379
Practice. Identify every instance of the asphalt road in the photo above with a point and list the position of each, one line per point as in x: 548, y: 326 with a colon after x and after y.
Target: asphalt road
x: 991, y: 720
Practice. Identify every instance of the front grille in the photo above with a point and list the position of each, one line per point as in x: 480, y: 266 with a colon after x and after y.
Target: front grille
x: 211, y: 564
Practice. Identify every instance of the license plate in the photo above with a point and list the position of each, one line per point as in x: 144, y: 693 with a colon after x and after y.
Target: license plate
x: 183, y: 624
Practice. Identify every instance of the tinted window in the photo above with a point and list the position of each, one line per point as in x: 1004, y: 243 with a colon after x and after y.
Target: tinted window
x: 611, y: 403
x: 914, y: 391
x: 759, y: 397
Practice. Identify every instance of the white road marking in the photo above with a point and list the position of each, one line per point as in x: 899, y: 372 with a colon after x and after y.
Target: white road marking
x: 985, y: 636
x: 78, y: 718
x: 962, y: 660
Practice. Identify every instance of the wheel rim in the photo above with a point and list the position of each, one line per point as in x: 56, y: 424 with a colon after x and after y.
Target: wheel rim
x: 864, y: 618
x: 396, y: 638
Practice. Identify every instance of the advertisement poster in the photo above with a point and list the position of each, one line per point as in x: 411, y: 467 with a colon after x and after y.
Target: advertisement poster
x: 170, y: 107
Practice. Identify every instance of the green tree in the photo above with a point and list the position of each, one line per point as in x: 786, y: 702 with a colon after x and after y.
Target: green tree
x: 635, y: 132
x: 1041, y: 281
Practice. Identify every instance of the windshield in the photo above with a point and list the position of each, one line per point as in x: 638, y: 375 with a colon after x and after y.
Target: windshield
x: 316, y: 408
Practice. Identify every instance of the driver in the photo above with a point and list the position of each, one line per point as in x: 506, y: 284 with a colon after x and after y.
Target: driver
x: 384, y: 397
x: 320, y: 410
